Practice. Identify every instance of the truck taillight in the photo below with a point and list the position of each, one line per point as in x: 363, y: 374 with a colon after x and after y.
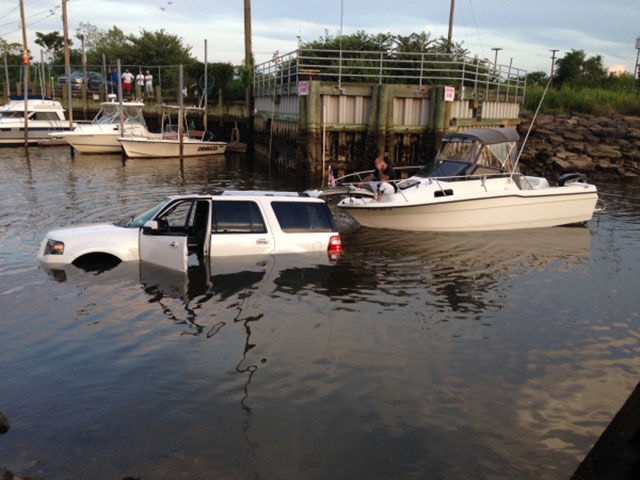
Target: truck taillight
x: 335, y: 248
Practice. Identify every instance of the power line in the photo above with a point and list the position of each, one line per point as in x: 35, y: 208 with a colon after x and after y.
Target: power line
x: 37, y: 17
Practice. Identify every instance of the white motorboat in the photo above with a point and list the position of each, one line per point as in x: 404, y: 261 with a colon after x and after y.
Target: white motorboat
x: 173, y: 140
x: 115, y: 119
x: 474, y: 185
x: 44, y: 116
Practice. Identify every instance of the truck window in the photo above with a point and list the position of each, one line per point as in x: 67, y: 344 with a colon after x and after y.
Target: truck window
x: 303, y: 216
x: 236, y: 216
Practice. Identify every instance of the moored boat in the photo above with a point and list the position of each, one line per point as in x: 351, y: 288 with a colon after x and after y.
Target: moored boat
x: 473, y: 185
x: 44, y: 116
x: 171, y: 141
x: 115, y: 119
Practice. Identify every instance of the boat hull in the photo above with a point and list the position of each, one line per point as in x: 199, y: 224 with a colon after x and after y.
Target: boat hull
x: 13, y: 135
x: 45, y: 116
x: 135, y: 147
x: 95, y: 143
x: 494, y: 207
x: 99, y: 138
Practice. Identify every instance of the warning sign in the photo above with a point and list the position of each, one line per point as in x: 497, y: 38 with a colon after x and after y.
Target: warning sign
x: 449, y: 94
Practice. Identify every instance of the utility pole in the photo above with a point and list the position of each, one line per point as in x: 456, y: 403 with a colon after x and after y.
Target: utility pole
x: 67, y: 63
x: 248, y: 57
x: 495, y: 61
x: 25, y: 87
x: 450, y: 34
x: 248, y: 60
x: 84, y: 76
x: 635, y: 70
x: 553, y: 65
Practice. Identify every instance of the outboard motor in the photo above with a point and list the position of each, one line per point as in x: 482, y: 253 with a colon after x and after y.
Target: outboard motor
x: 567, y: 178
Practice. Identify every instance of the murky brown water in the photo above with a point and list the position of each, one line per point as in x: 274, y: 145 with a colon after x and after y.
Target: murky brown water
x: 416, y: 356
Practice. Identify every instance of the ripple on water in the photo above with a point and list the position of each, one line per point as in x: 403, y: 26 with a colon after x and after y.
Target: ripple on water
x: 414, y: 344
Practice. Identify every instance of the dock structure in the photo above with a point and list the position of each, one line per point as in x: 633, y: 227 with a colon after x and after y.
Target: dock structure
x: 318, y: 108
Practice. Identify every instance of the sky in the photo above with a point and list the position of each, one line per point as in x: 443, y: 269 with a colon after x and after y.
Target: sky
x: 525, y: 31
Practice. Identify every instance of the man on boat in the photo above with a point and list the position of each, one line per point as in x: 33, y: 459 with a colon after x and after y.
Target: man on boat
x: 381, y: 181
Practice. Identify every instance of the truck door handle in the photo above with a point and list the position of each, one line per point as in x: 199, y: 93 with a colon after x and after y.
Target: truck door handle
x: 173, y: 244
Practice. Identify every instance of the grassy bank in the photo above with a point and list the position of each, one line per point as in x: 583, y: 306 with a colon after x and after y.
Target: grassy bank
x: 593, y: 101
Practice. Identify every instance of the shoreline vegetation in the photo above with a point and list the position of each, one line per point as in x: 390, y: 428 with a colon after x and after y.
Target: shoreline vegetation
x: 591, y: 101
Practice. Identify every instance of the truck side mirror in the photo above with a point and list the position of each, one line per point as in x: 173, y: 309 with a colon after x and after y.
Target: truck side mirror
x: 150, y: 226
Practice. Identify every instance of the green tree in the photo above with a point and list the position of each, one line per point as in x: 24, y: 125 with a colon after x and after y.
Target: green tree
x: 12, y: 52
x: 356, y: 59
x: 569, y: 68
x: 91, y: 34
x: 416, y: 42
x: 237, y: 87
x: 219, y: 75
x: 576, y: 70
x: 53, y: 44
x: 114, y: 45
x: 537, y: 78
x: 159, y: 48
x: 620, y: 83
x: 362, y: 41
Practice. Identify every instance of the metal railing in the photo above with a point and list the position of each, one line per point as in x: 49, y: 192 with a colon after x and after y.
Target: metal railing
x: 472, y: 77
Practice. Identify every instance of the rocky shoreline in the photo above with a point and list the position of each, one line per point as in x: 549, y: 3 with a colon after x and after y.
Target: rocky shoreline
x: 596, y: 146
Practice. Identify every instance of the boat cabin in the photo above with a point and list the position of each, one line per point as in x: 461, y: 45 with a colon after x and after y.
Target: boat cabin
x: 481, y: 151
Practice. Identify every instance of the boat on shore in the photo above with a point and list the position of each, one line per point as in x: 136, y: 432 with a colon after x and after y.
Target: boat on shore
x: 44, y: 116
x: 474, y: 184
x: 173, y: 140
x: 115, y: 119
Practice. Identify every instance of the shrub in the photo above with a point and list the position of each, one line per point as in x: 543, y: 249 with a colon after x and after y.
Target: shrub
x: 594, y: 101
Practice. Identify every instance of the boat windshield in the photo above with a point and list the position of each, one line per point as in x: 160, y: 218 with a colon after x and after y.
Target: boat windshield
x: 10, y: 114
x: 500, y: 156
x: 457, y: 155
x: 140, y: 220
x: 133, y: 114
x: 445, y: 168
x: 456, y: 150
x: 106, y: 116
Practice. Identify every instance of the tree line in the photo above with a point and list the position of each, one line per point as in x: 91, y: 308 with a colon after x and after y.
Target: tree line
x: 105, y: 48
x: 577, y: 77
x: 580, y: 82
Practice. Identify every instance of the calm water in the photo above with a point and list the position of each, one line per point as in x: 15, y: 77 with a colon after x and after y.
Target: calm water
x: 486, y: 356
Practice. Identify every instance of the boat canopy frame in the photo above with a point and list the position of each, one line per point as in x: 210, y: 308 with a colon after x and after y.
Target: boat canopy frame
x: 475, y: 152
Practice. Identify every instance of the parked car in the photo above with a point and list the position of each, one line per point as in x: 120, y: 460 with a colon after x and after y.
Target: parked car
x: 94, y: 80
x: 183, y: 227
x: 76, y: 80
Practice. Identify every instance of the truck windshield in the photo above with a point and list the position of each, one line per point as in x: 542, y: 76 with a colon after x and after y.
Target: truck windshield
x: 139, y: 220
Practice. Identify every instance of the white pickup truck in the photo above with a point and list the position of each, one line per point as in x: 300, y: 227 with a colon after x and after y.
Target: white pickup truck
x: 223, y: 224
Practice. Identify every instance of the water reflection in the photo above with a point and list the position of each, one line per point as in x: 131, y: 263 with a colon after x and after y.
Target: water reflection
x: 236, y: 283
x: 459, y: 272
x: 464, y: 271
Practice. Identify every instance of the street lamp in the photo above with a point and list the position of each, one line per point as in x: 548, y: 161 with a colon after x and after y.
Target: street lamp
x: 495, y: 61
x: 553, y: 64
